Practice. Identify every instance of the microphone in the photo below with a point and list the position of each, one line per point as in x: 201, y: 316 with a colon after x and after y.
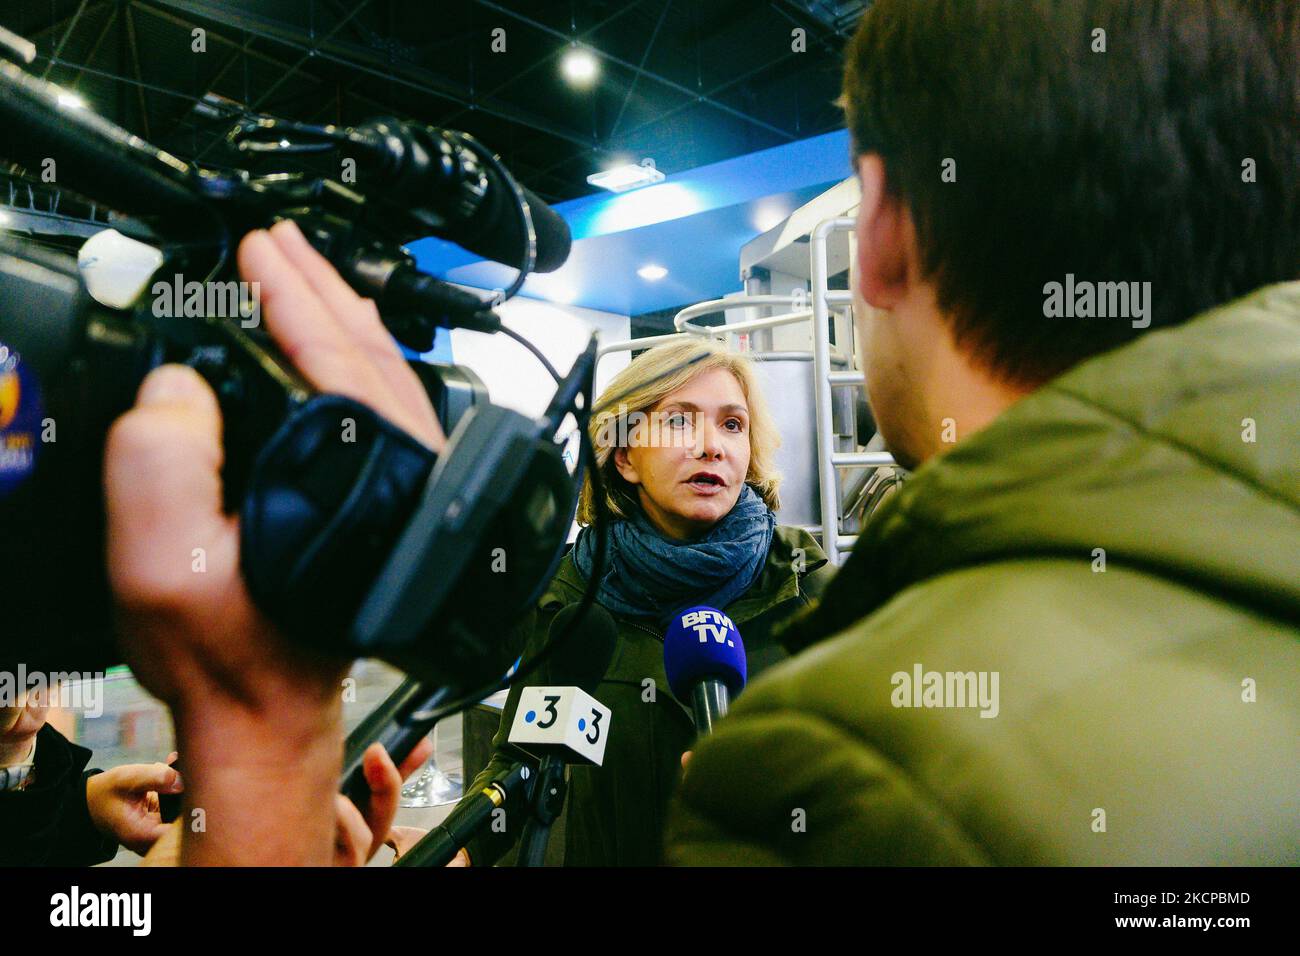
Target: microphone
x: 94, y: 156
x: 399, y: 723
x: 561, y: 718
x: 402, y: 720
x: 704, y: 659
x: 580, y: 660
x: 428, y: 169
x: 562, y: 722
x: 440, y: 845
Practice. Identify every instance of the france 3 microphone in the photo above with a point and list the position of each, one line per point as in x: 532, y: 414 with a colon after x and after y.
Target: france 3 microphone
x: 561, y: 722
x: 704, y: 659
x: 558, y: 724
x: 440, y: 845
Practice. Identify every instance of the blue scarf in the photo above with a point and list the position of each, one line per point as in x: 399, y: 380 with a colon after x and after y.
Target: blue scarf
x: 649, y: 575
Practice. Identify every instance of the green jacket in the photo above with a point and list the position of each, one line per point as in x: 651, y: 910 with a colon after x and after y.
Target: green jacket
x: 614, y: 813
x: 1149, y: 713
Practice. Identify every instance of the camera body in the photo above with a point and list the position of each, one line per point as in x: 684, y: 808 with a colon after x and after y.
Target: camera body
x: 416, y: 576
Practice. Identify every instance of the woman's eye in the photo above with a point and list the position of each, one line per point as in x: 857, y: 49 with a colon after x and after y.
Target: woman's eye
x: 739, y: 426
x: 676, y: 421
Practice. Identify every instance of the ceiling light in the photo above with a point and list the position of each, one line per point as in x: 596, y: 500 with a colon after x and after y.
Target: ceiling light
x: 71, y: 101
x: 580, y: 67
x: 620, y: 179
x: 652, y: 273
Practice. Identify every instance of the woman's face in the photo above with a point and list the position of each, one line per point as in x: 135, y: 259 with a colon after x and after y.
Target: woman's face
x: 690, y: 457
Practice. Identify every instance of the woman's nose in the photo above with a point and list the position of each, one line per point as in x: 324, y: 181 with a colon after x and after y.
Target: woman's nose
x: 707, y: 442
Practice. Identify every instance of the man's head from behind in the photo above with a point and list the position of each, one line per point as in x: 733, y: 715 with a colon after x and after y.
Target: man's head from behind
x: 1006, y: 145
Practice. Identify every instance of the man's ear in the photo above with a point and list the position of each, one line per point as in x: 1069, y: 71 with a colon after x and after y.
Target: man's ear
x: 625, y: 467
x: 885, y: 237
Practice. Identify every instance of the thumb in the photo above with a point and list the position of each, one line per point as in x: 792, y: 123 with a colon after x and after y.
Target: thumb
x: 143, y: 777
x: 162, y: 479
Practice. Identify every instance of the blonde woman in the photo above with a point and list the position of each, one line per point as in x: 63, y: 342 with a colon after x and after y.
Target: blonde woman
x: 687, y: 463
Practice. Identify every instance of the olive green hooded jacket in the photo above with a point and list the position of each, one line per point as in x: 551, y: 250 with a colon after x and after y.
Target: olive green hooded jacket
x: 1122, y: 549
x: 614, y: 814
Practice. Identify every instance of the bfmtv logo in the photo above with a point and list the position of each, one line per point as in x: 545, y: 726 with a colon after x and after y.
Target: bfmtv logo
x: 710, y: 625
x: 10, y: 396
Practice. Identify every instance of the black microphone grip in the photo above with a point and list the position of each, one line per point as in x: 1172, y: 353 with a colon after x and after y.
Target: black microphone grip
x: 440, y: 845
x: 396, y: 724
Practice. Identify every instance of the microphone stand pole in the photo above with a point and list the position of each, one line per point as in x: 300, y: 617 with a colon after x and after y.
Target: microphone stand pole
x: 544, y: 809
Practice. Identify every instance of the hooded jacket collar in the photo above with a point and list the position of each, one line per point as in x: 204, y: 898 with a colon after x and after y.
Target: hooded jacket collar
x: 1174, y: 454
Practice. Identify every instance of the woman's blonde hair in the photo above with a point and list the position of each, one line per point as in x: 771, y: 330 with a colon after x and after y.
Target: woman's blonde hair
x: 642, y: 390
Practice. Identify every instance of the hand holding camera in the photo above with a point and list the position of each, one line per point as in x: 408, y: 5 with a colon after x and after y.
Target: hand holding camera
x: 267, y: 714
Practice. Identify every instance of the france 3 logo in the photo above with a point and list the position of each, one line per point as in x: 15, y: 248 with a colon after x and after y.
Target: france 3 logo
x: 565, y: 721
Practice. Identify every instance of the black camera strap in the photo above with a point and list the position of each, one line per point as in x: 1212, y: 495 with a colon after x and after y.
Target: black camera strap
x: 329, y: 494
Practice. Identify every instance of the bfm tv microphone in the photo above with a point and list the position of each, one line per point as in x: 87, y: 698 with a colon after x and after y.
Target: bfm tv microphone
x: 704, y: 659
x: 579, y: 662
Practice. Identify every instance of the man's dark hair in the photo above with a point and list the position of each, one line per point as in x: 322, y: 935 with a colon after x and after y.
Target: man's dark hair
x: 1124, y: 165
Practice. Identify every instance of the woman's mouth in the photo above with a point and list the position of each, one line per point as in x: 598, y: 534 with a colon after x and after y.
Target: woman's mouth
x: 706, y: 484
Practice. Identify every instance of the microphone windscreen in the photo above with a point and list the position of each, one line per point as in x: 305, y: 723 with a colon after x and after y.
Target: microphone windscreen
x: 703, y: 643
x: 583, y: 657
x: 496, y: 234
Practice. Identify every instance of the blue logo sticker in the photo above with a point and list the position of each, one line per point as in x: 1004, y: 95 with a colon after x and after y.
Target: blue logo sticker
x: 21, y: 414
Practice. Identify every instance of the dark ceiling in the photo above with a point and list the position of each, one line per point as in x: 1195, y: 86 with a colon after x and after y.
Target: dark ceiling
x: 685, y: 82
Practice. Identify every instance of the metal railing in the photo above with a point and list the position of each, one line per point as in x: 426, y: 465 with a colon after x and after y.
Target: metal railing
x: 829, y: 461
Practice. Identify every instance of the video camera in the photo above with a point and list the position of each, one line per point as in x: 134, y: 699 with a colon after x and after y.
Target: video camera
x: 369, y: 547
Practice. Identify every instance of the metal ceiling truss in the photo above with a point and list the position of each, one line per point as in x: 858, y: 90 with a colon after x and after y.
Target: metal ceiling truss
x: 825, y: 18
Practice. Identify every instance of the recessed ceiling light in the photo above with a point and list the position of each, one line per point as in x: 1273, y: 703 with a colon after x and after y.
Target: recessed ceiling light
x: 619, y: 179
x: 580, y: 67
x: 652, y: 273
